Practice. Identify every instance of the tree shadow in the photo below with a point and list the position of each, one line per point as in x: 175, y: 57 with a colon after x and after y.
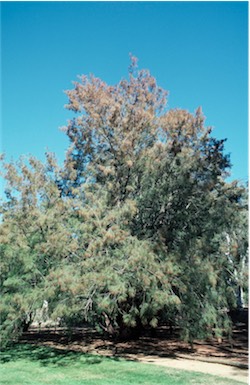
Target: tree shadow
x: 48, y: 356
x: 87, y: 346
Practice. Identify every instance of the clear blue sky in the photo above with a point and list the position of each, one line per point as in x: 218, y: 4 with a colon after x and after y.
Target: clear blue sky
x: 196, y: 50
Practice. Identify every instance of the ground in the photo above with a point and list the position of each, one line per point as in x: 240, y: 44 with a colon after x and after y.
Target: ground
x: 226, y: 358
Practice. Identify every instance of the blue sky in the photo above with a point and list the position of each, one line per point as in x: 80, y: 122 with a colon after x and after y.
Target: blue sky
x: 198, y: 51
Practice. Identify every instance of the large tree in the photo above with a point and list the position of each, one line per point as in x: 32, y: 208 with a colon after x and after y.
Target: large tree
x: 168, y: 163
x: 138, y: 225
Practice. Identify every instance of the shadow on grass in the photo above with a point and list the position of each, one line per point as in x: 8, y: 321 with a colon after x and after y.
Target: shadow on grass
x: 47, y: 356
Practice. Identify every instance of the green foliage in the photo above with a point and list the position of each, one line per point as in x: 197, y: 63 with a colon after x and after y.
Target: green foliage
x: 138, y: 227
x: 40, y: 365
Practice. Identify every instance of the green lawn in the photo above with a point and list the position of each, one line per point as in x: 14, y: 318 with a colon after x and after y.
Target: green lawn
x: 39, y: 365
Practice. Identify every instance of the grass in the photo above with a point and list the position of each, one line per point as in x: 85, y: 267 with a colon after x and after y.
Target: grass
x: 26, y: 364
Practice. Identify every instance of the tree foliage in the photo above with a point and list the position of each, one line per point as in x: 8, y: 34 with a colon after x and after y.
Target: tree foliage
x: 136, y: 228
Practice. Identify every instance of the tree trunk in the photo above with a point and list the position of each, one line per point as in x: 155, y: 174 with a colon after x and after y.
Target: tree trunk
x: 126, y: 332
x: 240, y: 300
x: 27, y: 322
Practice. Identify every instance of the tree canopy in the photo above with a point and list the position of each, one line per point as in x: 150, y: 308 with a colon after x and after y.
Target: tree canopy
x: 139, y: 226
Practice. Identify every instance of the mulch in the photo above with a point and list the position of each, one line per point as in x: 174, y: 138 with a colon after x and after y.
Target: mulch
x: 163, y: 343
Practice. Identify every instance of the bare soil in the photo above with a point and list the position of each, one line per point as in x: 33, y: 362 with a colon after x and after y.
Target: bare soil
x: 227, y: 358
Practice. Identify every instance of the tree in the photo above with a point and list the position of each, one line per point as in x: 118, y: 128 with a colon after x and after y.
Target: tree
x: 237, y: 255
x: 114, y: 127
x: 35, y: 235
x: 132, y: 231
x: 175, y: 172
x: 78, y: 256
